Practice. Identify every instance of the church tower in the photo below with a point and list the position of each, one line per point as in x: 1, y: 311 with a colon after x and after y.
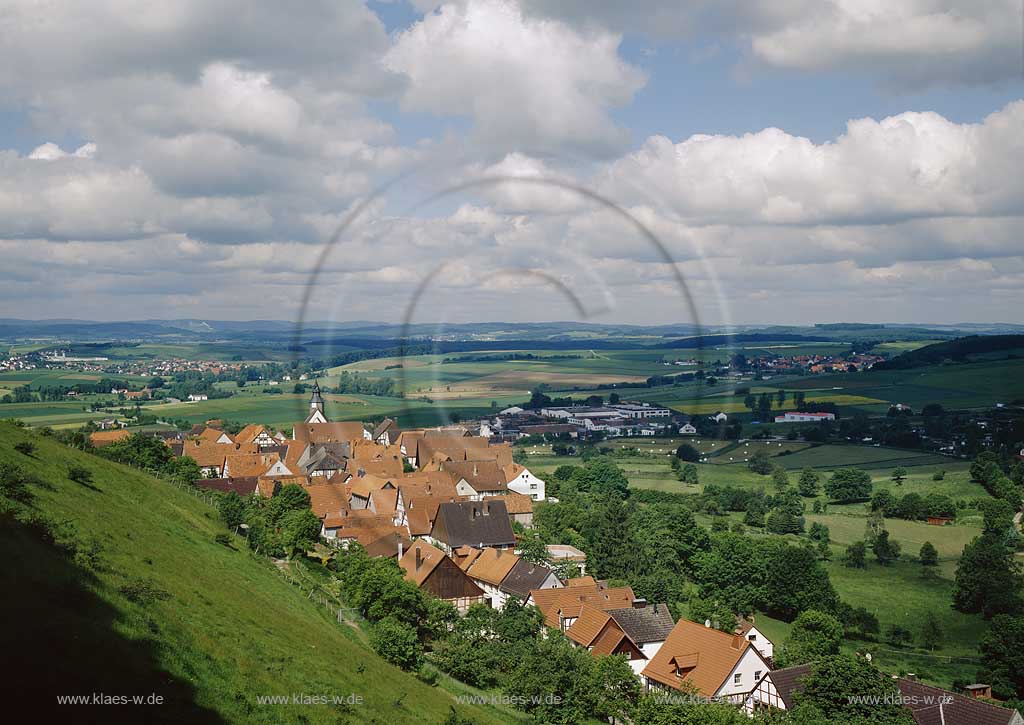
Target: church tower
x: 316, y: 406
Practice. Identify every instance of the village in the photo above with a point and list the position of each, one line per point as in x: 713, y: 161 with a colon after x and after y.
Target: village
x: 451, y: 507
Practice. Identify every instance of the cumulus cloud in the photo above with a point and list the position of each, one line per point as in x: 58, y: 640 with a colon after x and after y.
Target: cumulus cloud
x: 907, y: 44
x: 524, y: 81
x: 905, y: 166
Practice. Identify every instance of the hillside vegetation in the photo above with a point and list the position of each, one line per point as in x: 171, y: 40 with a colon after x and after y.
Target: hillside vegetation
x: 116, y: 585
x: 957, y: 350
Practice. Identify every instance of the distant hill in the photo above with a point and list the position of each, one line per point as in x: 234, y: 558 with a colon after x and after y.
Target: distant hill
x: 958, y: 350
x: 146, y: 601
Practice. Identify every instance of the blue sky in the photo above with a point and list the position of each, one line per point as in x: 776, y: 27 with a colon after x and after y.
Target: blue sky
x: 195, y: 163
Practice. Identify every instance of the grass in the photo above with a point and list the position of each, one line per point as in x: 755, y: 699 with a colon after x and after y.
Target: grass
x: 173, y: 612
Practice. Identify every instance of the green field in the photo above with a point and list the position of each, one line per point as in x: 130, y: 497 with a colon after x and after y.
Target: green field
x: 858, y: 456
x: 168, y: 610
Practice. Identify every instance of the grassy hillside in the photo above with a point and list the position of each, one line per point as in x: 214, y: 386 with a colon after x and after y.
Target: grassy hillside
x: 136, y: 597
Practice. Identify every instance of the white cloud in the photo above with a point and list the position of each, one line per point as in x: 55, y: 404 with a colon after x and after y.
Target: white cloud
x: 902, y: 167
x: 524, y: 81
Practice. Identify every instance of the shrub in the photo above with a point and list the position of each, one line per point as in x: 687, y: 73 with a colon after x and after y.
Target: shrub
x: 397, y: 643
x: 80, y: 474
x: 26, y: 448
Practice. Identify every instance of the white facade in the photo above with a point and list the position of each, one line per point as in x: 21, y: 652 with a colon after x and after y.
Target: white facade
x: 762, y: 643
x: 741, y: 680
x: 804, y: 417
x: 528, y: 485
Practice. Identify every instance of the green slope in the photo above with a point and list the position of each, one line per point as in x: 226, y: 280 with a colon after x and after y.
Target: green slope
x: 170, y: 611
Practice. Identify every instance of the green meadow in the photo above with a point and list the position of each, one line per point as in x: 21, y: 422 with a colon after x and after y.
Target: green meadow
x: 160, y: 606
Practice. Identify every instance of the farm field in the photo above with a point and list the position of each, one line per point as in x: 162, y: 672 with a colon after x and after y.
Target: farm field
x: 830, y: 457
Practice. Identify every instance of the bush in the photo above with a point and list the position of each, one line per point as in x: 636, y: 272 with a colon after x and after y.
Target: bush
x: 26, y: 448
x: 142, y: 591
x: 80, y: 474
x: 223, y: 539
x: 14, y: 482
x: 397, y: 643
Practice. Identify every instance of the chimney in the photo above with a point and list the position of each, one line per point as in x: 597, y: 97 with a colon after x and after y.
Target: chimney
x: 487, y: 509
x: 639, y: 603
x: 400, y: 547
x: 474, y: 470
x: 419, y: 558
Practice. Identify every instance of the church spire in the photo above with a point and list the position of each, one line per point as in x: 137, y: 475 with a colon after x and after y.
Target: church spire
x: 316, y: 401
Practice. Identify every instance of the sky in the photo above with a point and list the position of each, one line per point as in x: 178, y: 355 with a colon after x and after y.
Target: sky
x: 658, y: 161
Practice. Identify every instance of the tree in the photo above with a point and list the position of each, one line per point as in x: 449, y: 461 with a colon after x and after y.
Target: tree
x: 848, y: 485
x: 397, y: 643
x: 601, y: 477
x: 780, y: 478
x: 885, y: 551
x: 617, y: 689
x: 759, y: 463
x: 843, y: 688
x: 819, y: 532
x: 1002, y: 656
x: 796, y: 581
x: 686, y: 452
x: 232, y: 510
x: 611, y: 551
x: 532, y: 548
x: 899, y: 636
x: 929, y: 556
x: 688, y: 474
x: 987, y: 580
x: 931, y: 632
x: 855, y: 555
x: 300, y: 529
x: 898, y: 474
x: 814, y: 635
x: 808, y: 483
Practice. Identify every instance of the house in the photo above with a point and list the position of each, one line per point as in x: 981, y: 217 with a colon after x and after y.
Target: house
x: 102, y: 438
x: 476, y: 479
x: 433, y: 571
x: 564, y: 552
x: 254, y: 464
x: 520, y: 508
x: 197, y: 397
x: 323, y: 459
x: 327, y: 499
x: 647, y: 626
x: 597, y: 631
x: 330, y: 432
x: 520, y: 480
x: 934, y: 706
x: 215, y: 435
x: 687, y: 429
x: 525, y: 577
x: 386, y: 433
x: 719, y: 417
x: 795, y: 417
x: 473, y: 523
x: 928, y: 705
x: 210, y: 457
x: 257, y: 434
x: 561, y: 606
x: 713, y: 663
x: 940, y: 520
x: 776, y: 689
x: 745, y: 627
x: 243, y: 486
x: 488, y: 570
